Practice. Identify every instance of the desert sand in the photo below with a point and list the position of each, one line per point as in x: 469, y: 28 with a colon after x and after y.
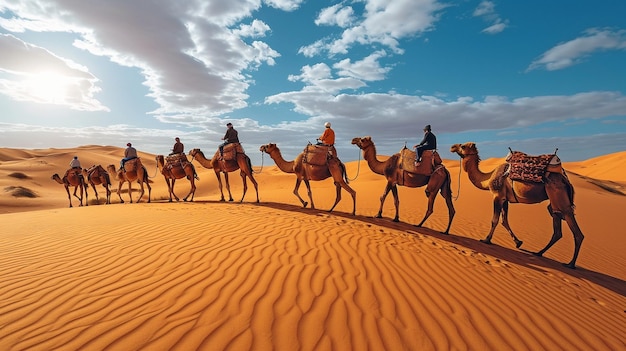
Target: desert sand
x: 211, y: 275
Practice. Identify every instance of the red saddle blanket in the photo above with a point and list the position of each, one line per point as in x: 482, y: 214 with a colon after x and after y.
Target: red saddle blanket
x: 524, y: 167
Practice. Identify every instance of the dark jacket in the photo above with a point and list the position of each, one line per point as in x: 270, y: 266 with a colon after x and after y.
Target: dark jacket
x: 231, y: 136
x: 429, y: 142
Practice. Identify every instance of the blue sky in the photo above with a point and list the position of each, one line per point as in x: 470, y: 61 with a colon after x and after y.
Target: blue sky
x: 531, y: 75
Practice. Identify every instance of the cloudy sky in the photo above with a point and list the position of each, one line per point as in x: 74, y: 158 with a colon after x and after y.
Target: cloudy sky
x: 533, y: 75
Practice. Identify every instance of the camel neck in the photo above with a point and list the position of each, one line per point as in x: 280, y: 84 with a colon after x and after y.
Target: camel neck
x: 369, y: 154
x: 476, y: 176
x: 283, y: 165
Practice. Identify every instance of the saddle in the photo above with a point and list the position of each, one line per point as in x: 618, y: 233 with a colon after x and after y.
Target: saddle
x: 230, y: 152
x: 524, y: 167
x: 430, y: 160
x: 77, y: 171
x: 318, y: 155
x: 176, y: 160
x: 132, y: 165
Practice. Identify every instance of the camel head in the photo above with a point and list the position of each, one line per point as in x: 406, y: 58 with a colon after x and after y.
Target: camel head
x: 268, y: 148
x: 464, y: 149
x: 111, y: 169
x: 363, y: 142
x: 193, y: 152
x: 160, y: 160
x: 56, y: 178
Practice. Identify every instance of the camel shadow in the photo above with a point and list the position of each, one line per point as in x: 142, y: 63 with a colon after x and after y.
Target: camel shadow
x: 519, y: 257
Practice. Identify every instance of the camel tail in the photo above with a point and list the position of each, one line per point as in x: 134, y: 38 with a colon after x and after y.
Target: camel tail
x: 344, y: 172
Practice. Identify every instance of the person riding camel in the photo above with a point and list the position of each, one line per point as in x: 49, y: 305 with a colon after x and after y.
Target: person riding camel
x: 428, y: 143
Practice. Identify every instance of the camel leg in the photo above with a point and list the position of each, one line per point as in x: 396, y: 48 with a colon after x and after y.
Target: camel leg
x: 69, y: 197
x: 108, y: 192
x: 337, y: 196
x: 309, y: 192
x: 145, y: 180
x: 578, y: 237
x: 130, y: 189
x: 351, y: 191
x: 558, y: 234
x: 86, y: 188
x: 119, y: 192
x: 382, y: 201
x: 141, y: 190
x: 93, y: 185
x: 497, y: 209
x: 76, y: 196
x: 245, y: 184
x: 295, y: 191
x: 173, y: 193
x: 256, y: 186
x: 230, y: 195
x: 431, y: 203
x: 219, y: 184
x: 191, y: 175
x: 192, y: 191
x: 505, y: 224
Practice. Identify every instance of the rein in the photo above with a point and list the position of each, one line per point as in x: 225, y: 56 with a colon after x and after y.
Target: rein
x: 458, y: 190
x: 262, y: 161
x: 358, y: 168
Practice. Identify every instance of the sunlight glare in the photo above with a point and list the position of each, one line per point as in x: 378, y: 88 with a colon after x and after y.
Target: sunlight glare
x: 47, y: 87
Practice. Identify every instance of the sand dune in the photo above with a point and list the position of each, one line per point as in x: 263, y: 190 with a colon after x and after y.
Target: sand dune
x: 213, y: 275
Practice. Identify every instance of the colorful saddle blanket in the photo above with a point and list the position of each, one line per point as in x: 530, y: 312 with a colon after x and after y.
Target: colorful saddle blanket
x: 524, y: 167
x: 430, y: 159
x: 318, y: 155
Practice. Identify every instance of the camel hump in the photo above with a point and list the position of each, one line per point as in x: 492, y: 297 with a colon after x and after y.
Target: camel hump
x: 430, y: 160
x: 132, y: 164
x: 318, y: 155
x: 524, y: 167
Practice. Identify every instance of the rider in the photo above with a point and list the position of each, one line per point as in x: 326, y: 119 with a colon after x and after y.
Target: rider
x: 129, y: 154
x: 428, y: 143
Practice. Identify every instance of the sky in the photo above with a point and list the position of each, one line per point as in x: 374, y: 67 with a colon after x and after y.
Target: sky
x: 531, y: 75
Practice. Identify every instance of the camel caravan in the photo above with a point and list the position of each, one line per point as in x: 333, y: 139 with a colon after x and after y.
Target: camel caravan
x: 521, y: 178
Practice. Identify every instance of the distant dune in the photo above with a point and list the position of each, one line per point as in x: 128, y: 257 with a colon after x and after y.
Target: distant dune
x: 213, y: 275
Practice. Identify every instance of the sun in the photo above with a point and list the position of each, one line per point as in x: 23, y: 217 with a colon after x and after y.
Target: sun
x: 47, y: 87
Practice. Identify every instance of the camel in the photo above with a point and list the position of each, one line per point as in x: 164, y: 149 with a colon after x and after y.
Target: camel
x: 177, y: 170
x: 305, y: 172
x: 439, y: 181
x: 75, y: 179
x: 241, y: 162
x: 139, y: 174
x: 556, y: 188
x: 97, y: 175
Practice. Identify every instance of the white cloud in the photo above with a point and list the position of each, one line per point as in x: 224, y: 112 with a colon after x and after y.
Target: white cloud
x: 285, y: 5
x: 574, y: 51
x: 487, y: 11
x: 368, y: 69
x: 495, y: 28
x: 319, y: 78
x: 383, y: 22
x: 257, y: 29
x: 336, y: 15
